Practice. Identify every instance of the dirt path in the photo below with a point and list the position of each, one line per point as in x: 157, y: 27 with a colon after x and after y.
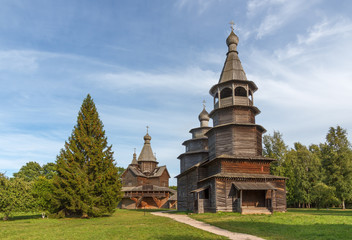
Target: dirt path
x: 207, y: 227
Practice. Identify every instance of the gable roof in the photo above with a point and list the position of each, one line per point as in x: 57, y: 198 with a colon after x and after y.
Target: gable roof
x: 158, y: 171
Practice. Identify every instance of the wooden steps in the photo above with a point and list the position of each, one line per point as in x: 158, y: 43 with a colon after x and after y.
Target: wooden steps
x: 255, y: 210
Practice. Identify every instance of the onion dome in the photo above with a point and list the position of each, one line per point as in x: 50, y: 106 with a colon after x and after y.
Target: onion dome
x: 134, y: 160
x: 204, y: 118
x: 204, y: 115
x: 232, y: 39
x: 147, y: 138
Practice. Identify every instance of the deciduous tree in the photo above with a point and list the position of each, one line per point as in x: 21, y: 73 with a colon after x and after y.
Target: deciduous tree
x: 275, y: 147
x: 29, y: 172
x: 337, y: 163
x: 15, y: 195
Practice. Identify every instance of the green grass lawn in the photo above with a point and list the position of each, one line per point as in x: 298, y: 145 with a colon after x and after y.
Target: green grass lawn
x: 295, y: 224
x: 124, y: 224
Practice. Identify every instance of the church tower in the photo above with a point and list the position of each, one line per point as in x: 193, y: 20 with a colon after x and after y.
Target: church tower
x: 147, y: 159
x: 197, y: 146
x: 234, y: 175
x: 235, y: 132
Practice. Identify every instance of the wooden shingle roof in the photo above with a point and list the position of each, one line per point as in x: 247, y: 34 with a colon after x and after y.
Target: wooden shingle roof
x: 243, y: 176
x: 147, y: 152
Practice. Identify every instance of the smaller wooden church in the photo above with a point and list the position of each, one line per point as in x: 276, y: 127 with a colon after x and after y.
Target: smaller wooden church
x: 145, y: 184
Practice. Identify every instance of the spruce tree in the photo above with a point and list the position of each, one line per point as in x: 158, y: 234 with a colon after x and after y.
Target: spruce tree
x: 87, y: 181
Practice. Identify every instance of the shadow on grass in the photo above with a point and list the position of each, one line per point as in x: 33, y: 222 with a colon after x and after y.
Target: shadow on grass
x: 24, y: 217
x: 184, y: 237
x: 335, y: 212
x: 180, y: 212
x: 290, y: 232
x: 148, y: 210
x: 166, y: 210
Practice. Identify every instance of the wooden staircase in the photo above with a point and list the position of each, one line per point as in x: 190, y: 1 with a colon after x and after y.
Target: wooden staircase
x: 255, y: 210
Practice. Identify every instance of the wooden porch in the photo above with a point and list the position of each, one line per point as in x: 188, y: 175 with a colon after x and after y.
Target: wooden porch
x: 253, y: 197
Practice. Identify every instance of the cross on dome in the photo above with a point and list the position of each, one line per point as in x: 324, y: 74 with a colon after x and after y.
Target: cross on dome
x: 204, y: 102
x: 232, y: 24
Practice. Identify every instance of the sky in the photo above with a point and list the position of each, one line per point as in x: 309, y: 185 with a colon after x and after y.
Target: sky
x: 152, y: 63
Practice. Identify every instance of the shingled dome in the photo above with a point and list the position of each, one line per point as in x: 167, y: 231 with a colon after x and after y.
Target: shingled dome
x: 232, y: 39
x: 147, y: 152
x: 232, y: 69
x: 204, y: 115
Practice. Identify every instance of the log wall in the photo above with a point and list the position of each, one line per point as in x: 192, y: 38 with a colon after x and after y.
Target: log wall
x: 235, y: 140
x: 148, y: 166
x: 186, y: 184
x: 238, y: 166
x: 280, y: 196
x: 129, y: 180
x: 244, y: 140
x: 127, y: 203
x: 233, y: 115
x: 188, y: 161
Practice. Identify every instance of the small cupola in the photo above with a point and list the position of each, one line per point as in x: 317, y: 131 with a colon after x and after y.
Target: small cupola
x: 232, y: 41
x: 134, y: 160
x: 204, y: 118
x: 147, y: 159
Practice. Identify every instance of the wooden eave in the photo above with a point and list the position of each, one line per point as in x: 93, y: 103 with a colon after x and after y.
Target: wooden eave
x: 148, y: 161
x: 239, y: 158
x: 153, y: 189
x: 254, y: 108
x: 252, y: 85
x: 195, y: 166
x: 238, y: 124
x: 194, y: 139
x: 200, y: 189
x: 253, y: 186
x: 192, y: 152
x: 190, y: 131
x: 244, y: 176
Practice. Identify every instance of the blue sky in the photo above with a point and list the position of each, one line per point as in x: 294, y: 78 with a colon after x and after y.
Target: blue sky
x: 153, y: 63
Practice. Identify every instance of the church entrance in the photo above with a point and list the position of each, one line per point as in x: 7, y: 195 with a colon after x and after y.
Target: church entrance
x: 253, y: 198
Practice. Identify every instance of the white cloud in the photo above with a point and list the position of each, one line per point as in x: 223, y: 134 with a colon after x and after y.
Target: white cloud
x: 307, y: 83
x: 256, y: 6
x: 332, y: 28
x: 16, y: 149
x: 200, y: 5
x: 196, y: 80
x: 274, y: 14
x: 15, y: 60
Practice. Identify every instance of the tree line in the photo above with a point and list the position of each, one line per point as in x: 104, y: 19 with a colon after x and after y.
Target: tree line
x: 318, y: 175
x: 83, y: 182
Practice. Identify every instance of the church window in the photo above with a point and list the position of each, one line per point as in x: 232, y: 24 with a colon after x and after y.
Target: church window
x: 216, y: 98
x: 250, y: 95
x: 226, y: 92
x: 241, y: 92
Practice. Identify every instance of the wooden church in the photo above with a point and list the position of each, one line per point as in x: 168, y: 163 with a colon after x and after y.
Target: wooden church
x: 145, y: 184
x: 223, y: 168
